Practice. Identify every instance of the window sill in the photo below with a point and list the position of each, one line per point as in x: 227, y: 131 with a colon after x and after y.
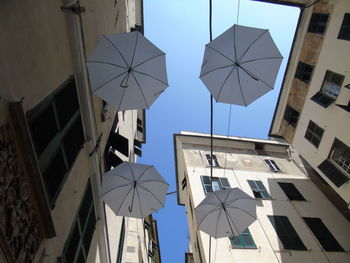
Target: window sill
x: 244, y: 248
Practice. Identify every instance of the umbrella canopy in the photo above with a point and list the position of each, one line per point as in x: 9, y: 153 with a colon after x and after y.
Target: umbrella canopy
x: 225, y: 213
x: 127, y: 71
x: 133, y: 190
x: 240, y: 65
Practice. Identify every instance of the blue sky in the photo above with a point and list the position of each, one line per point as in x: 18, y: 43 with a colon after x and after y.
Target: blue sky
x: 181, y: 29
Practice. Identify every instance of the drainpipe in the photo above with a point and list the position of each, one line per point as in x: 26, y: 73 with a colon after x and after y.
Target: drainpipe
x: 73, y: 10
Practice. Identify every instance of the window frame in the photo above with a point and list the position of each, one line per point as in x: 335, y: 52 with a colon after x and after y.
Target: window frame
x: 286, y: 233
x: 345, y: 27
x: 322, y: 234
x: 58, y: 147
x: 82, y: 249
x: 290, y: 190
x: 311, y: 134
x: 315, y: 23
x: 242, y: 240
x: 291, y: 115
x: 223, y: 183
x: 216, y: 163
x: 302, y: 74
x: 344, y: 166
x: 258, y: 190
x: 272, y: 165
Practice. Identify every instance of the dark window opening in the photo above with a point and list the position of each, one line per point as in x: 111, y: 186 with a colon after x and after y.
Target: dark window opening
x: 304, y: 72
x: 286, y: 233
x: 344, y: 32
x: 321, y: 232
x: 291, y: 116
x: 291, y: 191
x: 184, y: 183
x: 318, y: 23
x: 314, y: 134
x: 119, y: 143
x: 121, y: 242
x: 333, y: 173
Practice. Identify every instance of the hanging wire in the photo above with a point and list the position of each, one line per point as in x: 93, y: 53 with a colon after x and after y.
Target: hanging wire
x: 211, y: 115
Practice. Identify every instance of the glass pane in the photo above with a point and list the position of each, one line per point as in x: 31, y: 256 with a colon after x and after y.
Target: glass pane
x: 206, y: 179
x: 260, y: 185
x: 216, y: 185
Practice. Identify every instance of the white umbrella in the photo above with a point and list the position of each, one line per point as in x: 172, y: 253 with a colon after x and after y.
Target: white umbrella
x: 240, y: 65
x: 127, y: 71
x: 133, y: 190
x: 225, y: 213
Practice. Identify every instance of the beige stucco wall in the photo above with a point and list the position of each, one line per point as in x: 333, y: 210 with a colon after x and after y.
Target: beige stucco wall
x: 38, y: 52
x: 334, y: 120
x: 269, y: 248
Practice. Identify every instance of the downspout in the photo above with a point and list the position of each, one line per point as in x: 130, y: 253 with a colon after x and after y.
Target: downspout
x: 88, y: 118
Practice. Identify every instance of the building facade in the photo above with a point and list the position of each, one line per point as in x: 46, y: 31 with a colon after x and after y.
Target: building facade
x: 295, y: 220
x: 313, y: 108
x: 57, y: 139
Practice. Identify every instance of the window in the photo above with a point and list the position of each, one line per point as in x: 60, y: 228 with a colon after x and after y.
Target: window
x: 291, y: 191
x: 217, y: 183
x: 286, y: 233
x: 272, y: 165
x: 216, y: 163
x: 137, y: 147
x: 344, y: 32
x: 291, y: 116
x: 304, y: 72
x: 314, y: 134
x: 57, y: 133
x: 321, y: 232
x: 318, y: 23
x: 139, y: 125
x: 119, y: 143
x: 340, y: 154
x: 337, y: 166
x: 259, y: 189
x: 77, y: 246
x: 332, y: 83
x: 244, y: 240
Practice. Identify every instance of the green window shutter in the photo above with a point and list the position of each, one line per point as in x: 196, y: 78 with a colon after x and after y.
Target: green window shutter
x: 286, y: 233
x: 258, y: 189
x: 224, y: 183
x: 206, y: 182
x: 245, y: 240
x: 323, y: 235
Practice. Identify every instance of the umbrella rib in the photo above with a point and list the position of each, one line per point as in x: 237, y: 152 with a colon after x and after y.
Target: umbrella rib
x: 215, y: 209
x: 241, y: 211
x: 217, y: 223
x: 135, y: 71
x: 216, y: 69
x: 222, y: 87
x: 228, y: 217
x: 121, y: 204
x: 133, y: 54
x: 226, y: 196
x: 144, y: 188
x: 132, y: 172
x: 234, y: 42
x: 120, y: 103
x: 255, y: 77
x: 247, y: 61
x: 140, y: 90
x: 142, y: 174
x: 220, y: 54
x: 115, y: 188
x: 138, y: 197
x: 107, y: 63
x: 101, y: 86
x: 117, y: 50
x: 252, y: 44
x: 162, y: 54
x: 146, y: 181
x: 240, y: 87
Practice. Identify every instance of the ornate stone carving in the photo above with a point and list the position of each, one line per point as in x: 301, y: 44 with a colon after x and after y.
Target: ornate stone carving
x: 19, y: 226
